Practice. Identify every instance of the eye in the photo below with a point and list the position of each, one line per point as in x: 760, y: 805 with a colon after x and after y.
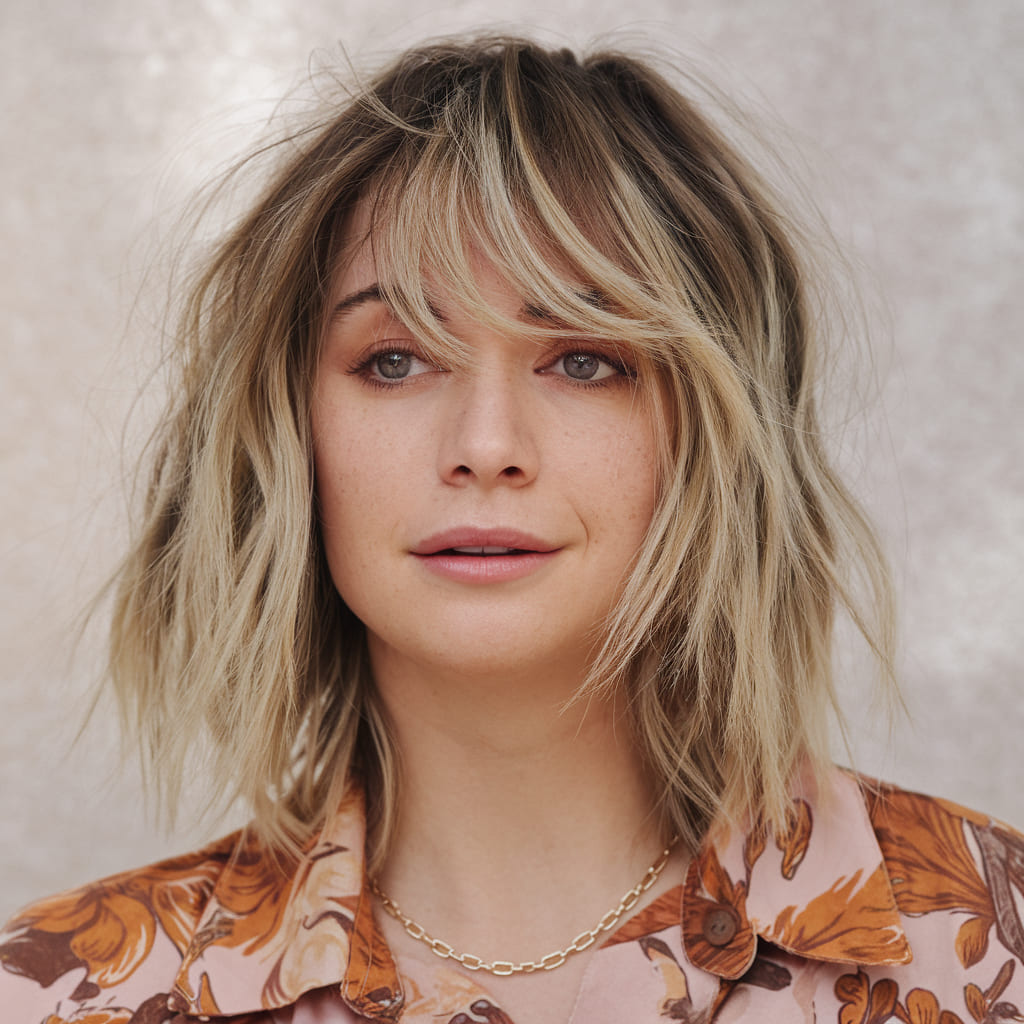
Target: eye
x: 584, y: 366
x: 394, y: 365
x: 391, y: 365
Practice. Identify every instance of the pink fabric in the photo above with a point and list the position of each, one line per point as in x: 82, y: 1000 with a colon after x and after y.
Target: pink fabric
x: 872, y: 905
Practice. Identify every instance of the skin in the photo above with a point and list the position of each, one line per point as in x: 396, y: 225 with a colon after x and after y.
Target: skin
x: 511, y: 441
x: 504, y: 790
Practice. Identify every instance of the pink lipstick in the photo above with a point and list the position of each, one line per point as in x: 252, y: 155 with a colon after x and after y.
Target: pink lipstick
x: 483, y: 555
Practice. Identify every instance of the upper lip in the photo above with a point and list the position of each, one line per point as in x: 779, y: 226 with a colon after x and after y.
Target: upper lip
x: 477, y: 537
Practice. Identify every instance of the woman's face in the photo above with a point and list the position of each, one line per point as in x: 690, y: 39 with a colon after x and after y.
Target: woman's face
x: 480, y: 517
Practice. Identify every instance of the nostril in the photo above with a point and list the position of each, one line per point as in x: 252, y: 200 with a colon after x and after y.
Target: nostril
x: 509, y: 472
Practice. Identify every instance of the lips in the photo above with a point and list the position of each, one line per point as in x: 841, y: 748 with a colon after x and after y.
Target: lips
x: 485, y: 551
x: 482, y: 543
x: 484, y: 556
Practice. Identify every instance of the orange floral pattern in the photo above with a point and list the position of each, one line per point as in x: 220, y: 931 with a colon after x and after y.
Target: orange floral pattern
x: 870, y: 907
x: 861, y: 1002
x: 109, y: 928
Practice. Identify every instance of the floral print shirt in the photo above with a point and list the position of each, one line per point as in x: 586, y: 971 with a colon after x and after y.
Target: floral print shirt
x: 874, y: 905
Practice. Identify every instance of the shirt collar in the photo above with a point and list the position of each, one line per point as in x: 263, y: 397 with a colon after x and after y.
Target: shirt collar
x: 818, y: 889
x: 269, y: 933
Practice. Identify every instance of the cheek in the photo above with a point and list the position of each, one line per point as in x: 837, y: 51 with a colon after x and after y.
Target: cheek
x: 639, y: 487
x: 354, y: 529
x: 352, y: 456
x: 346, y: 474
x: 369, y: 474
x: 621, y: 482
x: 635, y: 475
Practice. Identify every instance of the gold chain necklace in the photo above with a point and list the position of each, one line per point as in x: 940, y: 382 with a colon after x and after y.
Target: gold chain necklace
x: 503, y: 968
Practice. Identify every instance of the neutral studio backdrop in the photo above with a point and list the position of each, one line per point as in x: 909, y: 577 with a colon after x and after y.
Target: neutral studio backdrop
x: 903, y: 118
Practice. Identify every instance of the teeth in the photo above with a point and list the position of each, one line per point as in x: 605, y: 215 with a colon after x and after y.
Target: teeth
x: 483, y: 550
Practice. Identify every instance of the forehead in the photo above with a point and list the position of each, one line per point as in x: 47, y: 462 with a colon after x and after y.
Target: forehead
x: 354, y: 265
x: 467, y: 277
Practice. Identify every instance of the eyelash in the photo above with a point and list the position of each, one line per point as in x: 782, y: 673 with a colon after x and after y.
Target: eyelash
x: 623, y: 371
x: 365, y: 367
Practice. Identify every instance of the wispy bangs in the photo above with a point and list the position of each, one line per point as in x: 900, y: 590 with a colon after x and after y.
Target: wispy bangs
x: 544, y: 201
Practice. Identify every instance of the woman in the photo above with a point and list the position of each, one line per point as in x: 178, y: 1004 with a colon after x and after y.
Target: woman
x: 492, y: 555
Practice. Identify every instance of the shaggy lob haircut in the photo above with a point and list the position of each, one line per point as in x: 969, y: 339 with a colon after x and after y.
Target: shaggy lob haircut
x: 608, y: 198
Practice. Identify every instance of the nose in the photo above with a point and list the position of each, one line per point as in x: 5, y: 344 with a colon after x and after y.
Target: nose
x: 489, y: 436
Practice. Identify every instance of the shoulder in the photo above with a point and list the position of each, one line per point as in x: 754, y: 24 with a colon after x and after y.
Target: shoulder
x: 958, y: 880
x: 113, y: 946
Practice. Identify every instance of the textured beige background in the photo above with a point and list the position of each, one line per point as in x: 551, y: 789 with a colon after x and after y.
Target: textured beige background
x: 907, y: 116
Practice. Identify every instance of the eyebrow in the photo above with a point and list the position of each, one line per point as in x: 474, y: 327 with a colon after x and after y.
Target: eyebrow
x: 591, y: 296
x: 368, y: 294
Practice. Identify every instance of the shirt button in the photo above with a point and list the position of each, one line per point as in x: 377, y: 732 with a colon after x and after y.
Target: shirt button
x: 720, y: 925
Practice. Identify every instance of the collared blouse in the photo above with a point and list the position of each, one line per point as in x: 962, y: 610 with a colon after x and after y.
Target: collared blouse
x: 872, y: 905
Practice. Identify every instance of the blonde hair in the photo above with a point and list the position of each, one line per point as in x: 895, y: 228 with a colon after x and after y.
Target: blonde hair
x: 610, y: 200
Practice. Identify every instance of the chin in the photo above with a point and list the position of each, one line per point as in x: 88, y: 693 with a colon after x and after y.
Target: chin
x: 496, y: 657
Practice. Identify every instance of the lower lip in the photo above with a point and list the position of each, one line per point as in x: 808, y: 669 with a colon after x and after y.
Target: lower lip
x: 485, y: 568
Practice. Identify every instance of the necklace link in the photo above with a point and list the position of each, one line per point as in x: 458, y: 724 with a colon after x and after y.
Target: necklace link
x: 552, y: 960
x: 506, y: 968
x: 583, y: 941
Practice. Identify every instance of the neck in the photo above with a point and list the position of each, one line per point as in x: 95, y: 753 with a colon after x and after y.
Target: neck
x: 514, y: 808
